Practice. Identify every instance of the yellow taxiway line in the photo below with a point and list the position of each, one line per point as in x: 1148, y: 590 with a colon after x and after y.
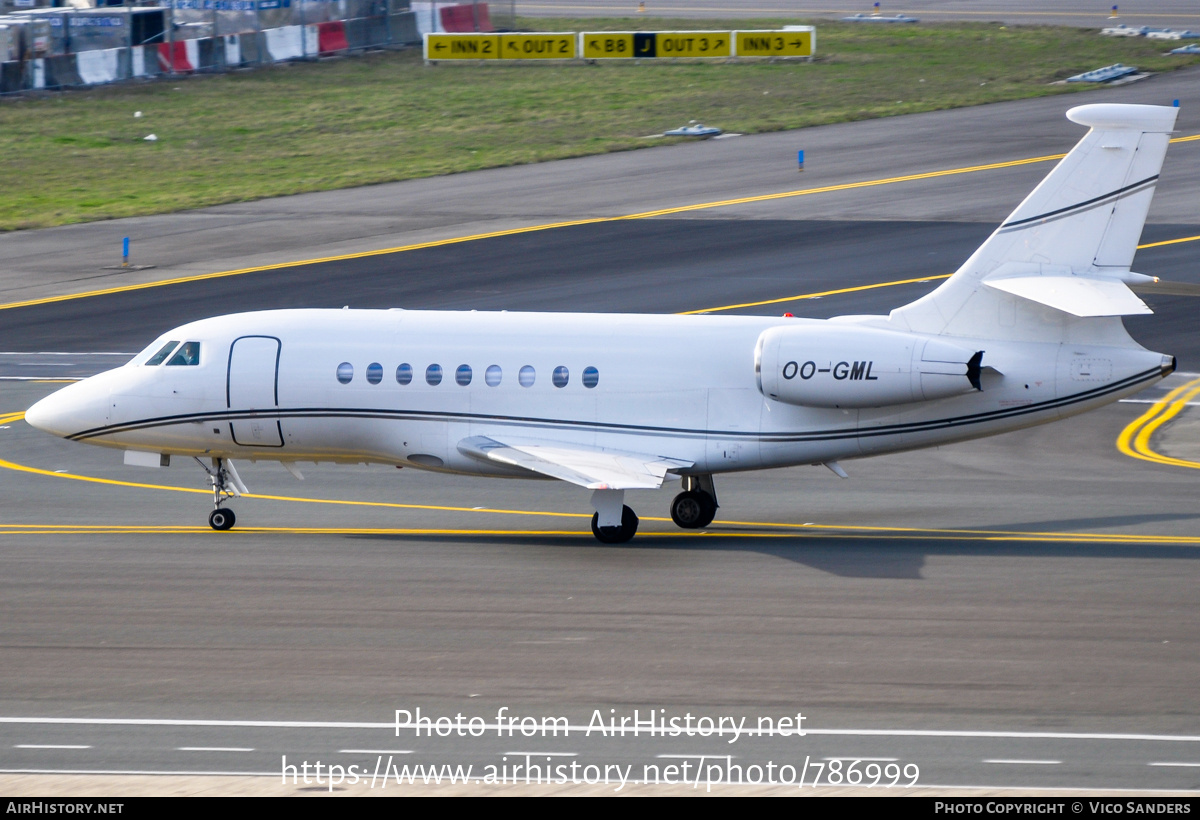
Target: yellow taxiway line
x: 820, y: 294
x: 870, y: 183
x: 773, y: 529
x: 800, y: 296
x: 1169, y: 242
x: 813, y: 532
x: 437, y: 243
x: 1134, y: 440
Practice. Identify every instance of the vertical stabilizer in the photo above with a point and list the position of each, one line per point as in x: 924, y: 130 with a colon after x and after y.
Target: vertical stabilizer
x: 1082, y: 222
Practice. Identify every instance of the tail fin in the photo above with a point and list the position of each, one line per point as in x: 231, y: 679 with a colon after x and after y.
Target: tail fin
x: 1068, y: 247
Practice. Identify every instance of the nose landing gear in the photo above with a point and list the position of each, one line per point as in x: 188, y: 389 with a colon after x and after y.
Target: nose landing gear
x: 226, y: 484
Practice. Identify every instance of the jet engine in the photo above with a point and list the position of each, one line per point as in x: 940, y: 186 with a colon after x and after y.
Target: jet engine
x: 831, y: 365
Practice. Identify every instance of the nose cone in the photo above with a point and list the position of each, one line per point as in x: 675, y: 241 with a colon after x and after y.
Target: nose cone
x: 74, y: 409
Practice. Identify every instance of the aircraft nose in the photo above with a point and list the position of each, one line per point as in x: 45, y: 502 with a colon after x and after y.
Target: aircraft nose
x: 75, y: 408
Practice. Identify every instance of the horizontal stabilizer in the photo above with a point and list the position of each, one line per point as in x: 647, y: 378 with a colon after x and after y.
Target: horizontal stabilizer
x: 1077, y: 295
x: 594, y: 469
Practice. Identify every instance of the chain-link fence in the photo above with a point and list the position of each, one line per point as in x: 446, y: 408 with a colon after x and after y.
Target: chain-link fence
x: 45, y: 48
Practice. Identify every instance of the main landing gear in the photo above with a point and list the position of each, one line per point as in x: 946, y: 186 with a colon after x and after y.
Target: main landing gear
x: 619, y: 534
x: 226, y: 485
x: 613, y: 523
x: 696, y: 506
x: 692, y: 509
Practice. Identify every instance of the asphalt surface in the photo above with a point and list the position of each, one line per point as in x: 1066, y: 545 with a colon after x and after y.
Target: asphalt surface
x: 1016, y: 612
x: 1179, y: 14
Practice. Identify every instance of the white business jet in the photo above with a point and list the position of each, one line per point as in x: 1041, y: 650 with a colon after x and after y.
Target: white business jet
x: 1027, y: 331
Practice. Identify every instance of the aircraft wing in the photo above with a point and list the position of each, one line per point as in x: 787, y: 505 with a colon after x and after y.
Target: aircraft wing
x: 592, y: 468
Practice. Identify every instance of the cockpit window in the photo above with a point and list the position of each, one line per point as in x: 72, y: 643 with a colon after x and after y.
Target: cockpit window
x: 163, y: 352
x: 188, y: 353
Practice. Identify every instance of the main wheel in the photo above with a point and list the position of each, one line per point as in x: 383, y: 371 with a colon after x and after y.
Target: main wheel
x: 220, y: 519
x: 616, y: 535
x: 693, y: 509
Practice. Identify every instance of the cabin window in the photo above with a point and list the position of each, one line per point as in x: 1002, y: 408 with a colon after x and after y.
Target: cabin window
x: 404, y: 374
x: 560, y: 376
x: 374, y: 372
x: 526, y: 376
x: 463, y: 375
x: 591, y: 377
x: 345, y: 372
x: 163, y: 353
x: 433, y: 375
x: 493, y: 375
x: 187, y: 354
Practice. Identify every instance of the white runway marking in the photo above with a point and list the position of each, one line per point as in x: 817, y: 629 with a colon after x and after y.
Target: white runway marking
x: 1025, y: 762
x: 375, y: 751
x: 1155, y: 401
x: 60, y: 353
x: 1179, y: 764
x: 138, y: 771
x: 47, y: 746
x: 582, y: 728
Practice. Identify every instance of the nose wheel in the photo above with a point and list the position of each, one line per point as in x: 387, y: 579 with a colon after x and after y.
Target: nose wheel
x: 220, y: 519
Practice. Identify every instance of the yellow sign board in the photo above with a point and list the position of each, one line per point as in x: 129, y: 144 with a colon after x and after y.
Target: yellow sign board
x: 537, y: 46
x: 692, y: 44
x: 462, y: 46
x: 607, y: 45
x: 622, y: 45
x: 799, y: 43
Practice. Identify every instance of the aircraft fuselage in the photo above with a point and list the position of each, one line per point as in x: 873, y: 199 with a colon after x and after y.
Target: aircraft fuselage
x: 406, y: 387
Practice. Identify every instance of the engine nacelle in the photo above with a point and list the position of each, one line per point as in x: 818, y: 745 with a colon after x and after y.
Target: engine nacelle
x: 832, y: 365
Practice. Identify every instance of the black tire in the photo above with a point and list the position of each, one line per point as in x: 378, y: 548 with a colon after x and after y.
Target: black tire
x: 616, y: 535
x: 693, y: 510
x: 221, y: 519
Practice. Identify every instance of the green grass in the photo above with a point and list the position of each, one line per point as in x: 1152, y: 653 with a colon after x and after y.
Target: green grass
x: 80, y: 155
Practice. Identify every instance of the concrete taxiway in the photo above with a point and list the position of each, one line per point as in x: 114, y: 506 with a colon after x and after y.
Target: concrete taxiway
x: 1016, y: 612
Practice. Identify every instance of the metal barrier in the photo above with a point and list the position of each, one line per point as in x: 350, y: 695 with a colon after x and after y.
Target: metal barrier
x: 461, y: 16
x: 52, y: 48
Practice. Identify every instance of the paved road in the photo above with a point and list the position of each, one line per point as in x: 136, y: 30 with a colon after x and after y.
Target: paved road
x: 1085, y: 13
x: 899, y: 607
x: 1029, y: 598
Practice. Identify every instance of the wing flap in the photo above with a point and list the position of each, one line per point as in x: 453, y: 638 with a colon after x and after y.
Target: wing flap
x: 591, y: 468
